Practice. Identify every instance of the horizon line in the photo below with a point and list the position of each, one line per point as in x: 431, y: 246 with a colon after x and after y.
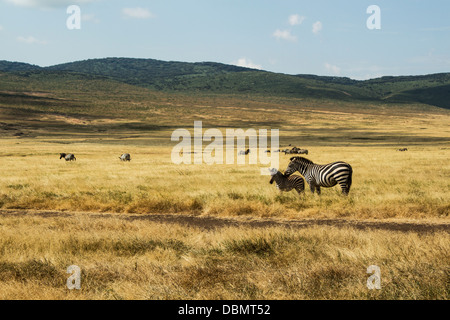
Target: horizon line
x: 229, y: 64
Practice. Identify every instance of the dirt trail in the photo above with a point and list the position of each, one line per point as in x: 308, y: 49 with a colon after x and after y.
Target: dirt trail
x: 210, y: 223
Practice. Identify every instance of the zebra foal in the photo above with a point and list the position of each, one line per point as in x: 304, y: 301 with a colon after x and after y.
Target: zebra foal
x: 317, y: 175
x: 287, y: 183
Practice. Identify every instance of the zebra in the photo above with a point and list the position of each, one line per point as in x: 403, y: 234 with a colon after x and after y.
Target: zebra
x: 327, y: 175
x: 125, y: 157
x: 402, y: 149
x: 67, y: 156
x: 287, y: 183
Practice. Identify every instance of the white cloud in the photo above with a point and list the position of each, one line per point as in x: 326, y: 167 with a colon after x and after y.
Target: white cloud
x: 22, y: 3
x: 367, y: 76
x: 317, y: 27
x: 295, y: 19
x: 334, y: 69
x: 46, y: 3
x: 137, y: 13
x: 364, y: 70
x: 243, y: 62
x: 284, y: 35
x: 30, y: 40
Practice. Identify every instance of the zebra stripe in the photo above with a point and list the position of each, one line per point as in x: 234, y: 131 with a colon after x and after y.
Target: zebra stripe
x: 288, y: 183
x: 327, y: 175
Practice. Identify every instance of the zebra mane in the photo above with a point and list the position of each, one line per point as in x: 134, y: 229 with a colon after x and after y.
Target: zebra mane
x: 302, y: 160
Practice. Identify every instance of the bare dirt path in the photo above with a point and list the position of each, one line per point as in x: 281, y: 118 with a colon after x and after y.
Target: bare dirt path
x: 210, y: 223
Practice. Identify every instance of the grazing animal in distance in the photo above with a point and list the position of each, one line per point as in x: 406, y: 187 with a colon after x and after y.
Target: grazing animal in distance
x: 287, y: 183
x: 317, y: 175
x: 67, y: 156
x: 244, y: 152
x: 295, y: 150
x: 402, y: 149
x: 125, y: 157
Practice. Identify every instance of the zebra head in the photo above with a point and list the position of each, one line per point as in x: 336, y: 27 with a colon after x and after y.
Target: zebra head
x: 62, y: 155
x: 299, y: 164
x: 272, y: 171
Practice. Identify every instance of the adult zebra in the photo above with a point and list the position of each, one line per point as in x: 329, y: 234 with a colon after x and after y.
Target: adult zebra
x: 317, y: 175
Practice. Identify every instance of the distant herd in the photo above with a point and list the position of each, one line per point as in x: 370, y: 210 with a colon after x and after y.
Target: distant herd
x: 316, y: 175
x: 293, y: 150
x: 71, y: 157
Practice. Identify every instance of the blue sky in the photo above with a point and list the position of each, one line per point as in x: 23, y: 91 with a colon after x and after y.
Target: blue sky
x: 323, y: 37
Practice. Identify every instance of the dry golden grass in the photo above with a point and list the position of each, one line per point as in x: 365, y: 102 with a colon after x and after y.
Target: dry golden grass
x: 386, y: 183
x: 137, y: 259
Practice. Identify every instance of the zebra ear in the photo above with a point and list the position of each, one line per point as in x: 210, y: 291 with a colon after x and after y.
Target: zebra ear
x: 291, y: 159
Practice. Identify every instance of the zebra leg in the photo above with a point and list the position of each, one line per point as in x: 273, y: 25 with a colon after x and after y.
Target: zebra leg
x: 345, y: 189
x: 345, y: 186
x: 312, y: 187
x: 318, y: 190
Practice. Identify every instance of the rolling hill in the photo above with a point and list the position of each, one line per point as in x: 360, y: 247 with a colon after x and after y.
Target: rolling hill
x: 211, y: 77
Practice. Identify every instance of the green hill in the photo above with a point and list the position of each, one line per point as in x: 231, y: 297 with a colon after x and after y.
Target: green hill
x: 211, y: 77
x: 147, y: 72
x: 8, y: 66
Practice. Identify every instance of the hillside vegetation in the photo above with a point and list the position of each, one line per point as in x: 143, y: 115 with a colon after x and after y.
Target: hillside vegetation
x: 210, y: 77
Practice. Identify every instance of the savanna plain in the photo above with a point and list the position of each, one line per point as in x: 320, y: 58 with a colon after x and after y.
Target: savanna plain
x: 98, y: 212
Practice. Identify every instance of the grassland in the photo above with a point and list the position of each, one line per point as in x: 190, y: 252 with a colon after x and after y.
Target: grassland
x: 100, y: 119
x: 136, y: 259
x: 387, y: 183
